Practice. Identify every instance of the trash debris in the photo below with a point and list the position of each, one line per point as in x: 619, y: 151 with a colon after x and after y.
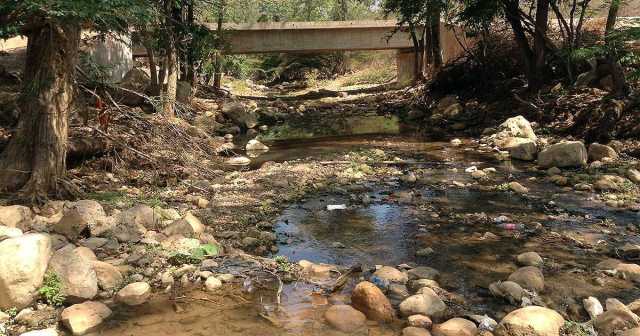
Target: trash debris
x: 332, y: 207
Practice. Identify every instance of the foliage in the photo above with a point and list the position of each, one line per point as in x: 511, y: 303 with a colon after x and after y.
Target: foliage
x: 17, y: 16
x: 194, y: 256
x: 283, y: 264
x: 51, y: 290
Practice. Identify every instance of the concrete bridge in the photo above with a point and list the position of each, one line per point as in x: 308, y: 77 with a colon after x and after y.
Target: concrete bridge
x: 328, y: 36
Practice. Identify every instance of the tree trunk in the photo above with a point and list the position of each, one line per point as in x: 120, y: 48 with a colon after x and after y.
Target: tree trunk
x: 511, y: 8
x: 217, y: 76
x: 435, y: 41
x: 171, y: 64
x: 191, y: 64
x: 617, y: 73
x: 34, y: 160
x: 539, y: 50
x: 153, y: 70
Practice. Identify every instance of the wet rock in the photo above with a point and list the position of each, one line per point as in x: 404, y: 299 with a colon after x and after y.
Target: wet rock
x: 615, y: 320
x: 529, y: 259
x: 478, y: 174
x: 610, y: 183
x: 528, y: 277
x: 250, y: 243
x: 531, y: 321
x: 593, y: 307
x: 559, y: 180
x: 427, y: 303
x: 425, y: 252
x: 598, y: 152
x: 213, y: 284
x: 238, y: 161
x: 16, y: 216
x: 85, y: 317
x: 23, y: 261
x: 255, y: 145
x: 563, y: 154
x: 629, y: 271
x: 517, y: 187
x: 77, y: 275
x: 415, y: 331
x: 134, y: 294
x: 423, y: 272
x: 83, y: 217
x: 520, y: 148
x: 397, y: 293
x: 391, y: 275
x: 416, y: 285
x: 554, y: 171
x: 419, y: 321
x: 508, y: 290
x: 345, y: 318
x: 370, y: 300
x: 109, y: 277
x: 455, y: 327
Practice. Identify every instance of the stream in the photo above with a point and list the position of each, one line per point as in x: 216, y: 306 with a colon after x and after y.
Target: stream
x: 429, y: 222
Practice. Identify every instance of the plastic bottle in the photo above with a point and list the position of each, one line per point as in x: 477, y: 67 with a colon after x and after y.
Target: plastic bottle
x: 511, y: 226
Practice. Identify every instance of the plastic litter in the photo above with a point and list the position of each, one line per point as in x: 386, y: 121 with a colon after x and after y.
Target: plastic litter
x: 511, y: 226
x: 332, y: 207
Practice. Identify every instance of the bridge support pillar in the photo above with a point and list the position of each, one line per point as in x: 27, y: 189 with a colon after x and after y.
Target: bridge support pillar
x: 406, y: 62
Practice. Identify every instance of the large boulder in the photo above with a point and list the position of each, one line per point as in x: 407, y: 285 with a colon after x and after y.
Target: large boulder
x: 77, y: 275
x: 516, y: 127
x: 615, y: 320
x: 16, y: 216
x: 85, y: 318
x: 415, y: 331
x: 530, y: 321
x: 455, y: 327
x: 345, y: 318
x: 426, y: 303
x: 563, y: 154
x: 598, y: 152
x: 23, y: 261
x: 528, y: 277
x: 133, y: 223
x: 629, y: 271
x: 83, y: 217
x: 370, y: 300
x: 240, y: 114
x: 529, y: 259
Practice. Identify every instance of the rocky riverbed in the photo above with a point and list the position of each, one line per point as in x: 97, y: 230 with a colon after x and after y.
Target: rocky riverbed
x: 510, y: 234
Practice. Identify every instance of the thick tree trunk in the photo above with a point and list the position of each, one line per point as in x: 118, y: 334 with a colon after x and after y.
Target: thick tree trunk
x: 34, y: 160
x: 217, y: 76
x: 511, y: 8
x: 617, y: 73
x: 539, y: 49
x: 153, y: 70
x: 435, y: 41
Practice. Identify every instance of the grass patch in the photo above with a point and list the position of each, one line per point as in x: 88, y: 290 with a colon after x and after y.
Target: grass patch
x: 370, y: 76
x: 51, y: 290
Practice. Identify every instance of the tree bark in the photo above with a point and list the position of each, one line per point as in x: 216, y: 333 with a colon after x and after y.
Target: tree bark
x: 171, y: 63
x: 539, y: 48
x: 435, y: 40
x: 617, y: 73
x: 512, y: 13
x: 34, y: 160
x: 217, y: 76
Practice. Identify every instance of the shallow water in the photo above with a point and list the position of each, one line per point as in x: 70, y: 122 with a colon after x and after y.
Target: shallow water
x: 452, y: 221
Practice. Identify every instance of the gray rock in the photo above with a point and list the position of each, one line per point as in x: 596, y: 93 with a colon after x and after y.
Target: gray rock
x: 520, y: 148
x: 345, y: 318
x: 391, y: 275
x: 423, y: 272
x: 528, y: 277
x: 77, y: 275
x: 85, y: 216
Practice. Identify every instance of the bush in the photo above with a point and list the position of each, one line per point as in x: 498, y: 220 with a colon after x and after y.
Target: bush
x: 51, y: 290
